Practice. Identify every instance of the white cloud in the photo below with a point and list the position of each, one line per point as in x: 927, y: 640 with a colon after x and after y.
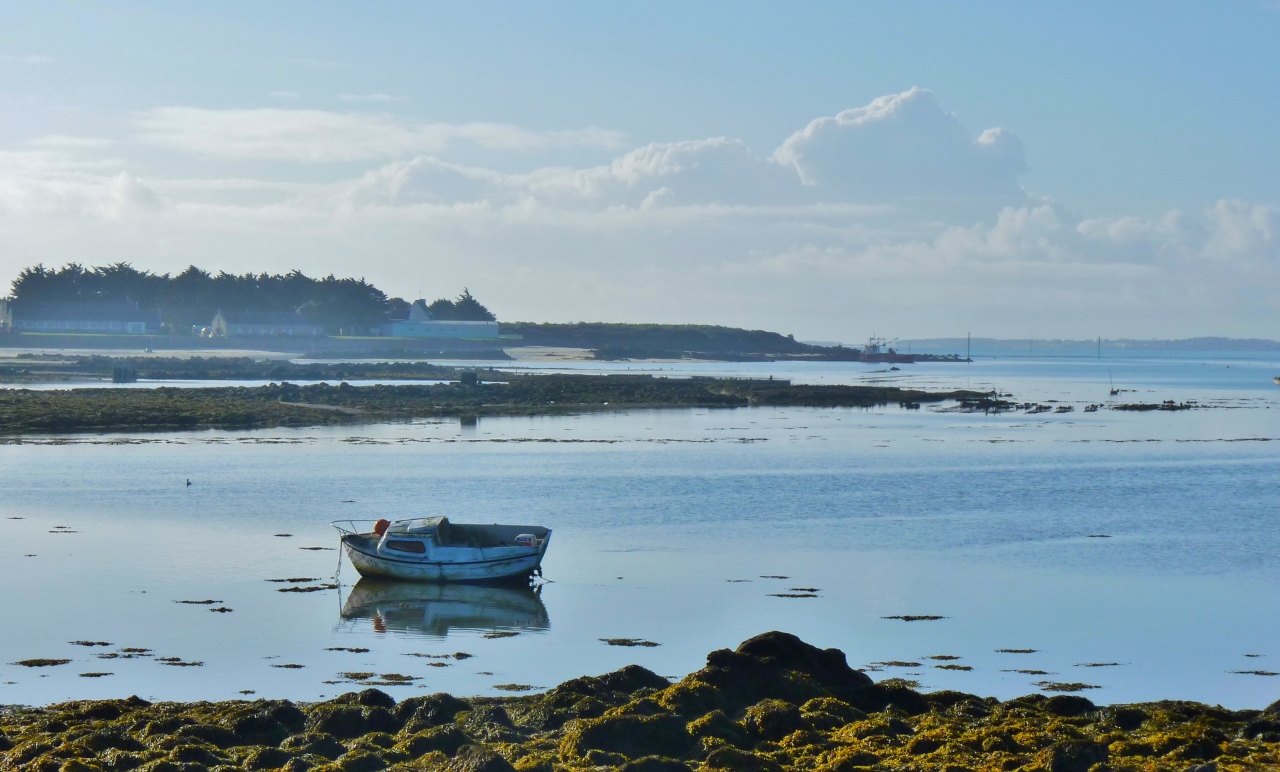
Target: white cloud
x: 67, y: 142
x: 903, y: 145
x: 377, y: 97
x: 26, y: 59
x: 802, y: 240
x: 319, y: 136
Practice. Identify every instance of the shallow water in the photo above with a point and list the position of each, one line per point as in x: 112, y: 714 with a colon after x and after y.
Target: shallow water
x: 988, y: 521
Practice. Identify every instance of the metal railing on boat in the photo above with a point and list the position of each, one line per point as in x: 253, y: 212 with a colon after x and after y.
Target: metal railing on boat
x: 351, y: 529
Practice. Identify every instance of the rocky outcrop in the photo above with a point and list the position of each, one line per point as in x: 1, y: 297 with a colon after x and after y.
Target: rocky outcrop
x: 773, y: 704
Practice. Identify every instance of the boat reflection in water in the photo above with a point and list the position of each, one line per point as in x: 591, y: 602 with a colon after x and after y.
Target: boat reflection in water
x: 437, y: 609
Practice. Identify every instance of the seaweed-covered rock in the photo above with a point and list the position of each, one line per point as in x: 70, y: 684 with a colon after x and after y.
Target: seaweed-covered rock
x: 1073, y: 756
x: 473, y: 758
x: 314, y: 743
x: 488, y: 724
x: 633, y: 678
x: 105, y: 739
x: 1127, y: 718
x: 631, y: 736
x: 210, y: 733
x: 654, y: 764
x: 827, y: 713
x: 1068, y: 705
x: 360, y: 761
x: 195, y: 754
x: 99, y: 710
x: 738, y: 714
x: 419, y: 713
x: 781, y: 666
x: 338, y: 720
x: 735, y: 760
x: 375, y: 698
x: 716, y: 724
x: 771, y: 719
x: 345, y: 721
x: 1264, y: 729
x: 259, y: 729
x: 442, y: 739
x: 848, y: 759
x: 267, y: 758
x: 691, y: 697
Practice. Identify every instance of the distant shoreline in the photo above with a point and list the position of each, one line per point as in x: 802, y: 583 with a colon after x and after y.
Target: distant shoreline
x: 288, y: 405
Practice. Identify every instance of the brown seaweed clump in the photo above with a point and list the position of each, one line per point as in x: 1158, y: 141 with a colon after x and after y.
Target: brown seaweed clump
x: 774, y: 704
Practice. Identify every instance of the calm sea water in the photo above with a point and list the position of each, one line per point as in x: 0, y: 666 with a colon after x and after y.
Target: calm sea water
x: 667, y: 524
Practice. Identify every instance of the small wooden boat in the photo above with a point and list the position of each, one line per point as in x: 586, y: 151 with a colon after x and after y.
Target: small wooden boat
x: 432, y: 549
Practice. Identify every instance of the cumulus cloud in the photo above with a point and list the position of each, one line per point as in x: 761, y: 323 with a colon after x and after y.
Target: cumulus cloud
x: 903, y: 145
x: 1231, y: 231
x: 892, y: 215
x: 319, y: 136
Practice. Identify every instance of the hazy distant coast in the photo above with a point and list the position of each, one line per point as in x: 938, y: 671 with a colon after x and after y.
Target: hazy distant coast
x: 1094, y: 347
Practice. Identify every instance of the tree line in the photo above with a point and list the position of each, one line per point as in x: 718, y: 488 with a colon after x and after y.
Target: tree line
x: 192, y: 297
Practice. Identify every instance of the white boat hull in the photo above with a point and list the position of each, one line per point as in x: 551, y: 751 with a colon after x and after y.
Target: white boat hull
x: 500, y: 564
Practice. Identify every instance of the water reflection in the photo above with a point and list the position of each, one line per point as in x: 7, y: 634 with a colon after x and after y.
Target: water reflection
x: 435, y: 609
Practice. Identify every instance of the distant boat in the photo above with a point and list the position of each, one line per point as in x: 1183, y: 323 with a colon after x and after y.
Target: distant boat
x: 431, y: 549
x: 1277, y: 380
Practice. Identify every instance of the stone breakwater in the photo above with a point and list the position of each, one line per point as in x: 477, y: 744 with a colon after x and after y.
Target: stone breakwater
x: 773, y: 704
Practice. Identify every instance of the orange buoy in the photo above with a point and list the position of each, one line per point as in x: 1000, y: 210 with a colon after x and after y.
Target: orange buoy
x: 381, y: 527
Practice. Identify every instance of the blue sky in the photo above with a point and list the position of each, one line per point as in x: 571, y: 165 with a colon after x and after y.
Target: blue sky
x: 650, y: 161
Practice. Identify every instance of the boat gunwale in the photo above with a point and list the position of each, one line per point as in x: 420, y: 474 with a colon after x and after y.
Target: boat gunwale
x: 378, y: 556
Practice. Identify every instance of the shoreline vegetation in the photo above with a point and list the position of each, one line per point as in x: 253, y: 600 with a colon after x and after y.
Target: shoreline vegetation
x: 47, y: 306
x: 286, y: 404
x: 775, y: 704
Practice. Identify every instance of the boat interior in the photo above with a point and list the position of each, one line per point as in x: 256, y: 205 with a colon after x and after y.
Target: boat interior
x: 469, y: 535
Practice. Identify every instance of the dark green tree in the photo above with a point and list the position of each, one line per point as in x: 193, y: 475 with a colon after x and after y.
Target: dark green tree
x: 465, y: 309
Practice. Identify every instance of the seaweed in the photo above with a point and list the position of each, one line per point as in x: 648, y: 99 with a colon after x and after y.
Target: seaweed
x: 773, y: 704
x: 1056, y: 686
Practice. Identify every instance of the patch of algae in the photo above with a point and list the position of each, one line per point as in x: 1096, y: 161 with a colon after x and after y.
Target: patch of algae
x: 775, y: 704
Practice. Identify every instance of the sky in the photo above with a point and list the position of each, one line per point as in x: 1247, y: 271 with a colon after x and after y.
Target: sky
x: 829, y: 170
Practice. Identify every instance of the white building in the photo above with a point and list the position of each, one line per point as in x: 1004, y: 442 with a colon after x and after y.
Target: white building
x: 421, y: 325
x: 274, y: 324
x: 409, y: 328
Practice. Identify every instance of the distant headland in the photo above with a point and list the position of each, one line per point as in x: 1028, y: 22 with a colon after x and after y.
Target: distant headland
x: 118, y: 306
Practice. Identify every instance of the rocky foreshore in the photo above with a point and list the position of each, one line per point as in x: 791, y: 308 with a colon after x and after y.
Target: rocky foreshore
x: 290, y: 405
x: 775, y: 703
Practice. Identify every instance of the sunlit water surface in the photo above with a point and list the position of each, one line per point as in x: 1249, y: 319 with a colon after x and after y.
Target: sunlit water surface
x: 666, y: 525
